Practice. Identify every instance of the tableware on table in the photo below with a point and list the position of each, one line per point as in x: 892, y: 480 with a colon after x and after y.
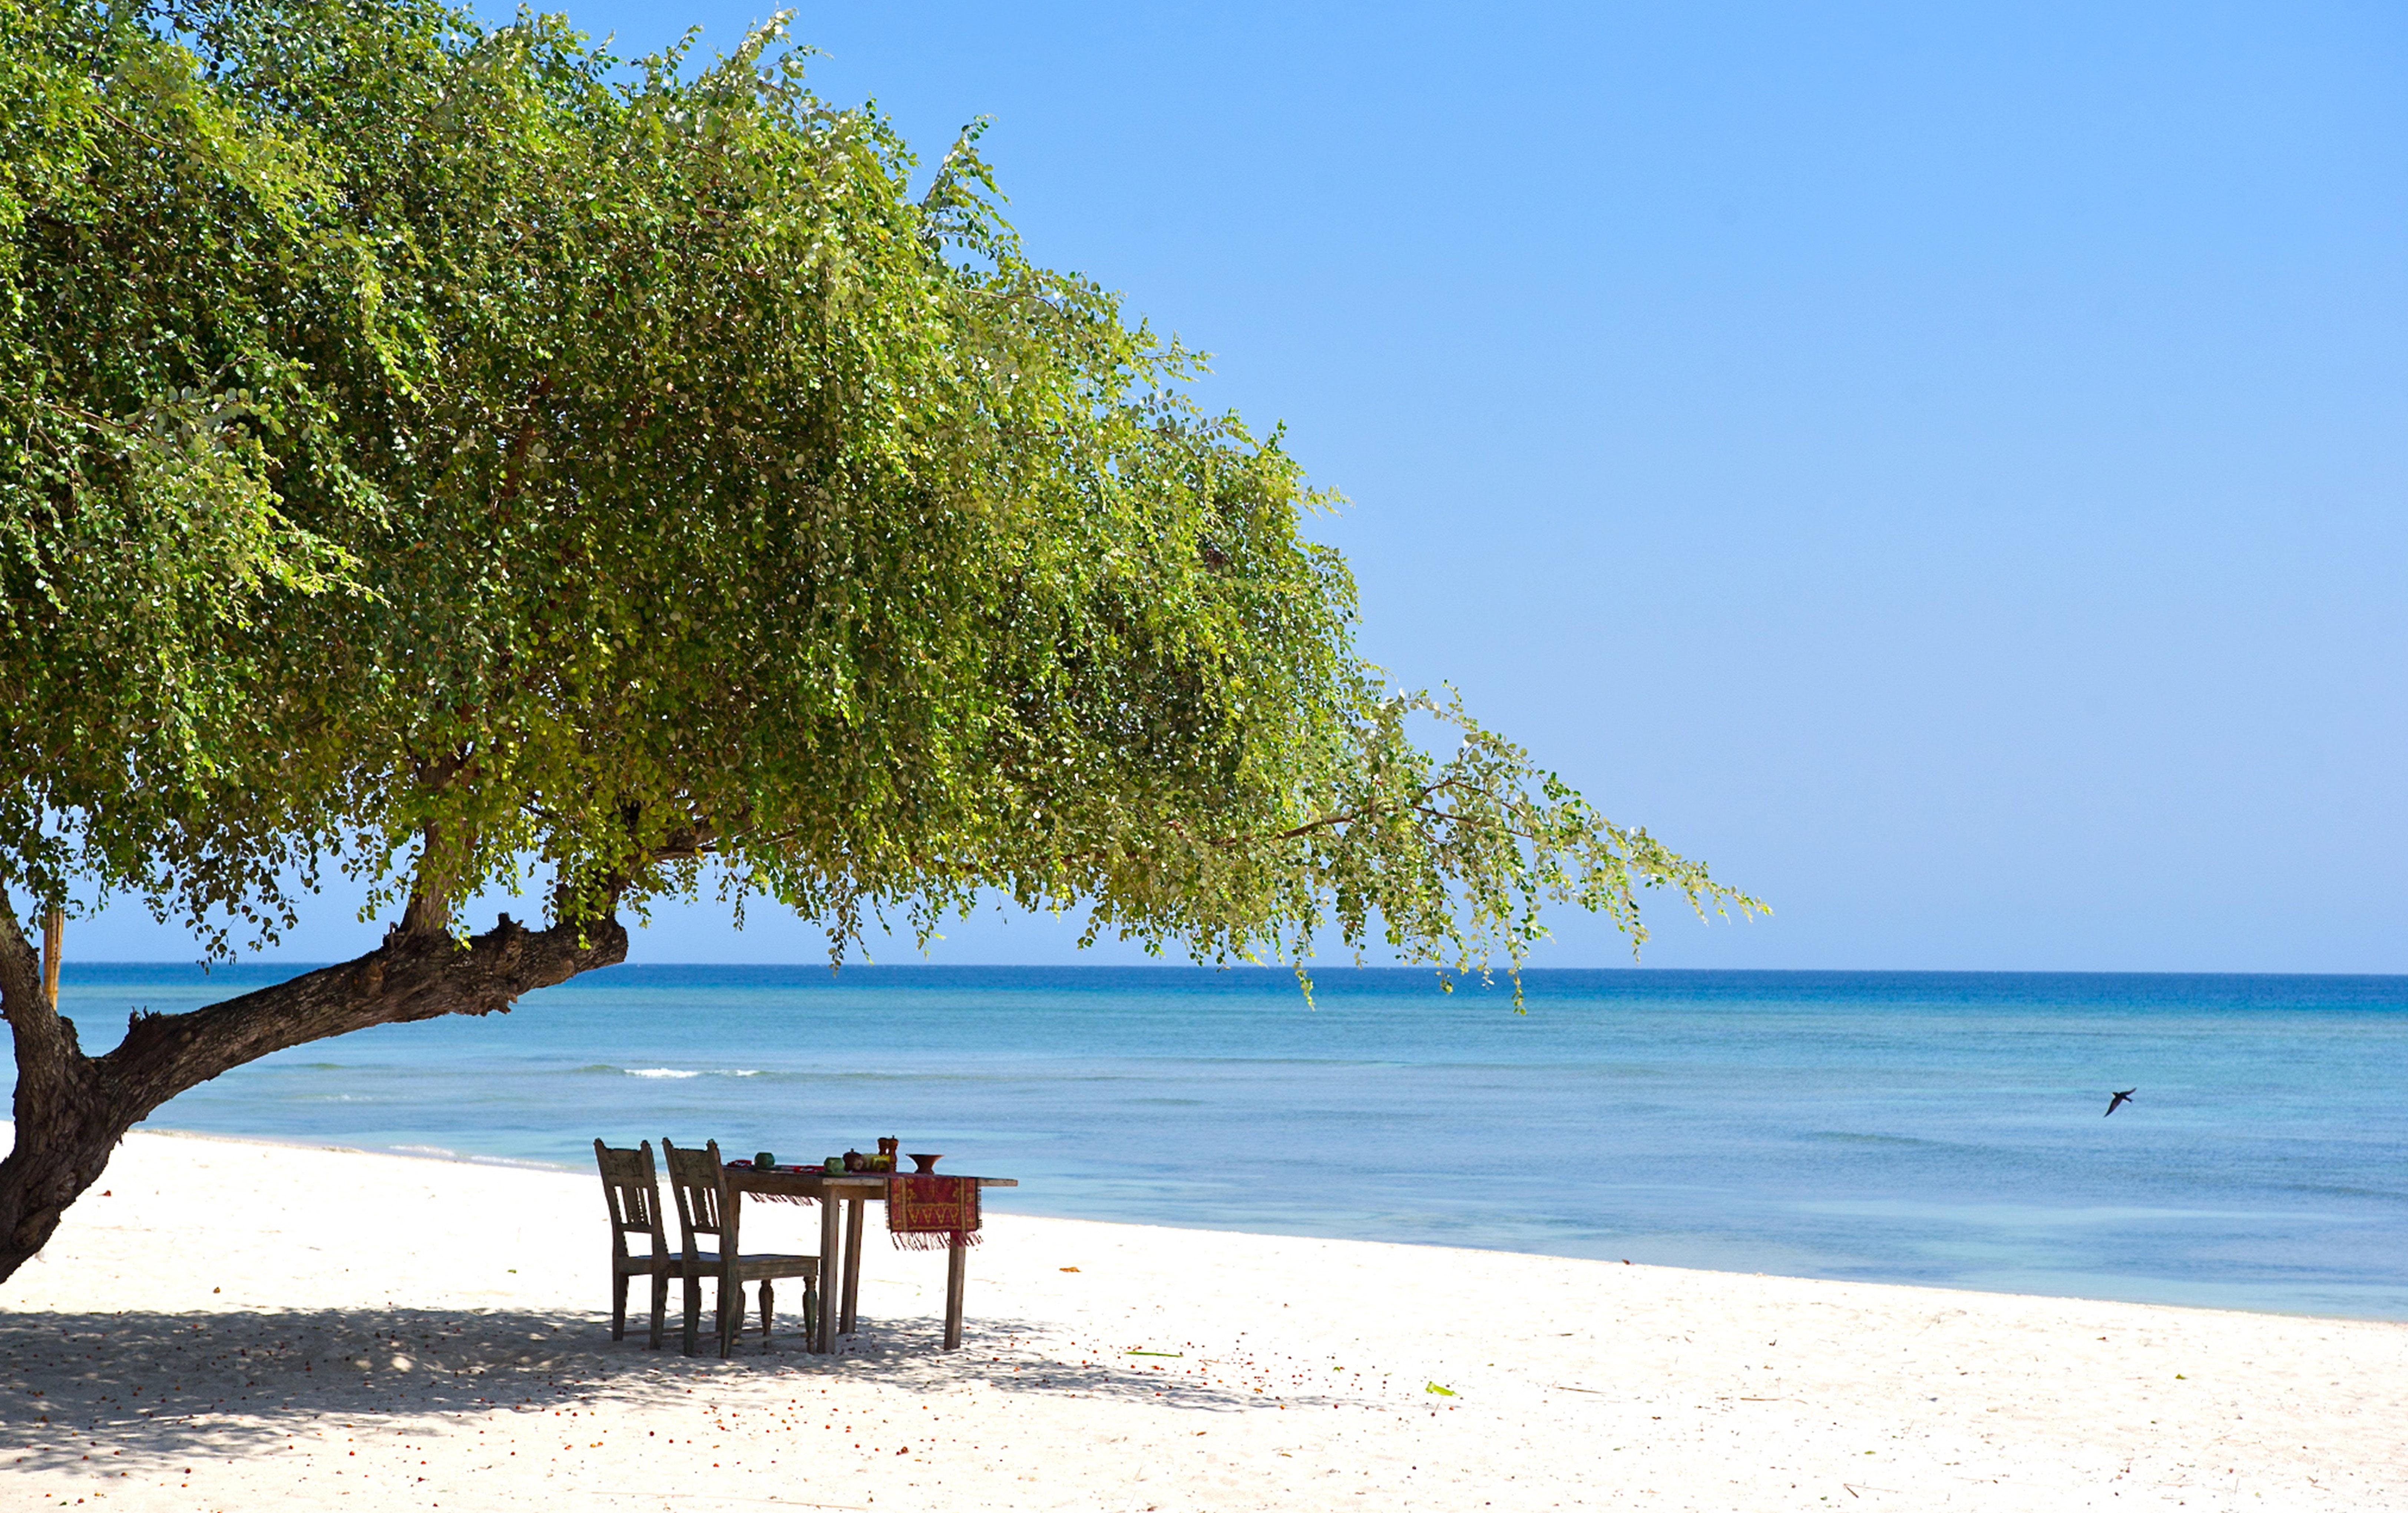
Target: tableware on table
x: 834, y: 1165
x: 763, y: 1160
x: 852, y: 1160
x: 926, y: 1163
x: 887, y: 1146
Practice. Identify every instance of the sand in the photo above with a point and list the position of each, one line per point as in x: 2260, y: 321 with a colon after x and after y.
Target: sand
x: 224, y: 1324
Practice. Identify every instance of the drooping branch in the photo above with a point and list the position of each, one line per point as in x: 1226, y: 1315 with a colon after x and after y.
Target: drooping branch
x: 1418, y: 803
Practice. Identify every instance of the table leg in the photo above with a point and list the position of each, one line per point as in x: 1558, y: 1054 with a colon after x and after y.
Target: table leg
x: 854, y: 1213
x: 957, y: 1257
x: 823, y: 1336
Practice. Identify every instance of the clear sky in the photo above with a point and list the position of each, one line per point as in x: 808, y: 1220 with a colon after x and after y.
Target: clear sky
x: 1944, y: 464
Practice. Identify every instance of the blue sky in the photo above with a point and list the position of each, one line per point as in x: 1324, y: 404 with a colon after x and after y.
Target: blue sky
x: 1944, y: 464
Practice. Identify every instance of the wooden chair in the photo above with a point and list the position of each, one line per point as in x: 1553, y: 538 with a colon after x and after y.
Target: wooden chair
x: 632, y: 1190
x: 706, y: 1206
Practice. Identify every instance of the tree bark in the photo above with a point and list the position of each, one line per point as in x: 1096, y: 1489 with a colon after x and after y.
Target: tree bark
x: 72, y: 1108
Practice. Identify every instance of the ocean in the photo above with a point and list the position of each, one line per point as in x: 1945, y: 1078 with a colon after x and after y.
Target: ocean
x: 1933, y: 1128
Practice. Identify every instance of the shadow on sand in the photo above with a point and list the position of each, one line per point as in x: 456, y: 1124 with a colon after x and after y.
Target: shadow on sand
x: 153, y: 1388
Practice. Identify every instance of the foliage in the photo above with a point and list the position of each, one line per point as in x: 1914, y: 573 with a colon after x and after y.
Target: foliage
x: 447, y: 451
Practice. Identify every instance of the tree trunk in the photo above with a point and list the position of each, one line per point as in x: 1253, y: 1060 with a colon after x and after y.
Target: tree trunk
x: 72, y: 1108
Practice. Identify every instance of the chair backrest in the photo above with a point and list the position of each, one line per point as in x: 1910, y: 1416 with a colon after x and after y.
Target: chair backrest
x: 698, y: 1181
x: 631, y: 1189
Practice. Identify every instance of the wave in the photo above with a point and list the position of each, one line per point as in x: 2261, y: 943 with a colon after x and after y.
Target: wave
x: 681, y: 1074
x: 1905, y: 1141
x: 2334, y: 1189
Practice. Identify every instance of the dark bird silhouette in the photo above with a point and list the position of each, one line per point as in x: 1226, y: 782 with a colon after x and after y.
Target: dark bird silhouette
x: 2120, y: 1100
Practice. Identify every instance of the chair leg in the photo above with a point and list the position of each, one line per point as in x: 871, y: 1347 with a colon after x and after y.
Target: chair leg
x: 731, y: 1314
x: 811, y: 1306
x: 692, y: 1311
x: 660, y: 1306
x: 619, y: 1306
x: 767, y: 1304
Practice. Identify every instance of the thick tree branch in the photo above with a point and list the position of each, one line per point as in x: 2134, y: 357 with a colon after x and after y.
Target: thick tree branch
x: 72, y: 1108
x: 412, y: 977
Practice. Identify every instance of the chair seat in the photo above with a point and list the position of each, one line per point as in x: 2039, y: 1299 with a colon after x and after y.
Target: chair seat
x: 674, y: 1262
x: 758, y: 1266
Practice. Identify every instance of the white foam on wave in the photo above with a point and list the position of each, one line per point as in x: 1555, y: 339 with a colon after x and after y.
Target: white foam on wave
x: 659, y: 1071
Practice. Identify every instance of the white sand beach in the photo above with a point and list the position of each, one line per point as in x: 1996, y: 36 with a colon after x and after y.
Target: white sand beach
x: 229, y: 1325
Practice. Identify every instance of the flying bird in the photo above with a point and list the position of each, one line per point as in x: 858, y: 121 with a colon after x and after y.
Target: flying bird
x: 2120, y: 1100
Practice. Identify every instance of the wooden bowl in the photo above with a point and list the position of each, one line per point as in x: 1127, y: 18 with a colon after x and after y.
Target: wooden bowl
x: 926, y: 1163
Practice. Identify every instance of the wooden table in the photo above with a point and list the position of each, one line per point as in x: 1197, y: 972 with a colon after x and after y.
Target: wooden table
x: 840, y: 1241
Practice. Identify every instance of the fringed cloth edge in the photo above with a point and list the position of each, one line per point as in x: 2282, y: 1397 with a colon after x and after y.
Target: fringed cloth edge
x: 936, y: 1239
x: 798, y: 1198
x: 932, y: 1213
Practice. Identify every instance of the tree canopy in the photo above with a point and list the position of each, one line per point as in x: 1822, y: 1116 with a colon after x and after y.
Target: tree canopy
x: 450, y: 445
x: 455, y: 455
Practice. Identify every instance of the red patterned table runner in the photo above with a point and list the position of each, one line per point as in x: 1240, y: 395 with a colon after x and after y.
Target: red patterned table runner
x: 932, y: 1213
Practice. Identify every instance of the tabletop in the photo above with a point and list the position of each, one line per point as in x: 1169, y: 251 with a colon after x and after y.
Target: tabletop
x: 807, y: 1182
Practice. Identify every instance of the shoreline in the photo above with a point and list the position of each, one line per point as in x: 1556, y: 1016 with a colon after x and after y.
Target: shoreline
x: 510, y: 1162
x: 252, y: 1325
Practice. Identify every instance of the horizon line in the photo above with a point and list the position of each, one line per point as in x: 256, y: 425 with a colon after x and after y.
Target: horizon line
x: 73, y: 966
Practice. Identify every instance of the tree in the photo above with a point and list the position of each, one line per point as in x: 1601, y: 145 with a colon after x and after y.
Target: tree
x: 459, y: 457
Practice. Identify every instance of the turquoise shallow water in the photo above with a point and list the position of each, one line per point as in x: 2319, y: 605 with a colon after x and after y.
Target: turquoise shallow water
x: 1911, y: 1127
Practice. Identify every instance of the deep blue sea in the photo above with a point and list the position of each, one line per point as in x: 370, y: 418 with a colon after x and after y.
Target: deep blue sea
x: 1937, y: 1127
